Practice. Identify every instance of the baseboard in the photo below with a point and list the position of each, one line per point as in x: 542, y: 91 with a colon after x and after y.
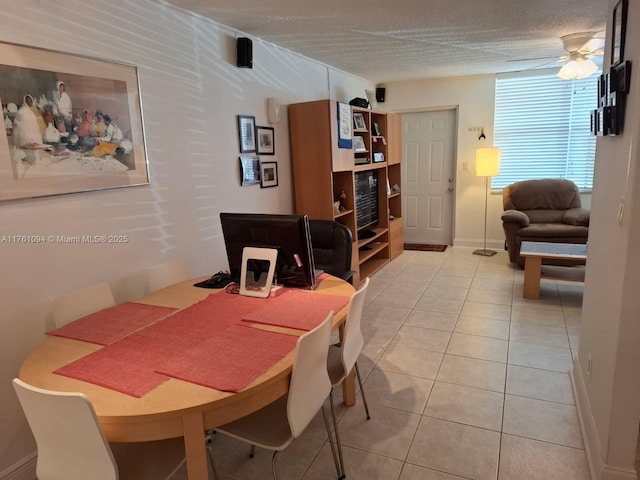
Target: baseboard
x: 598, y: 469
x: 24, y: 469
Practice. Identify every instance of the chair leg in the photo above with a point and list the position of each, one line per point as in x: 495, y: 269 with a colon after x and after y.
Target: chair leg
x: 273, y: 464
x: 209, y: 441
x: 252, y: 452
x: 337, y: 434
x: 364, y: 398
x: 339, y: 470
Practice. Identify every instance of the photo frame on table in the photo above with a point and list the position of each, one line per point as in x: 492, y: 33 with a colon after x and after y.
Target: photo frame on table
x: 247, y: 133
x: 619, y: 31
x: 266, y: 141
x: 249, y: 170
x: 268, y: 174
x: 73, y: 124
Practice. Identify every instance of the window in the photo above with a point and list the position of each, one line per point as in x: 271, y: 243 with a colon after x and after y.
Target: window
x: 542, y: 125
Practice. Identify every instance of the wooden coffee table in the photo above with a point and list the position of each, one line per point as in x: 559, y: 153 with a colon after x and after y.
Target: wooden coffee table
x: 535, y: 252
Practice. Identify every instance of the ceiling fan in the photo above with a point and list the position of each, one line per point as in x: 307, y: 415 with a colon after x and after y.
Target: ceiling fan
x: 581, y: 48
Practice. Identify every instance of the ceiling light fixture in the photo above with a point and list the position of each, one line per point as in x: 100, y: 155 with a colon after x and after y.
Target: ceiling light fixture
x: 578, y: 66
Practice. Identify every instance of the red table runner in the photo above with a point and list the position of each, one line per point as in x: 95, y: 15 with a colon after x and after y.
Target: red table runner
x: 113, y: 323
x: 207, y: 343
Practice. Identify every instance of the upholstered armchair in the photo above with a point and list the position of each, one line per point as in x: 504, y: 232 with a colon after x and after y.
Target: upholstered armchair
x: 547, y: 210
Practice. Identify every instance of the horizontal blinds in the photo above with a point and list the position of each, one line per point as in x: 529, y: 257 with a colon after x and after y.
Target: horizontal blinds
x: 542, y: 126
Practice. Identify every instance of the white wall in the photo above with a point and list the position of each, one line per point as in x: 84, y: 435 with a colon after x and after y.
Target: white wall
x: 474, y: 98
x: 608, y: 397
x: 191, y: 94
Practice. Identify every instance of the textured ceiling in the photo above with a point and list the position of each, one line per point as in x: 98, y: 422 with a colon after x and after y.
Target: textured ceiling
x: 386, y: 40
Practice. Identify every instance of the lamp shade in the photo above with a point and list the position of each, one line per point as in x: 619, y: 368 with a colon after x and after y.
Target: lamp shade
x: 487, y: 161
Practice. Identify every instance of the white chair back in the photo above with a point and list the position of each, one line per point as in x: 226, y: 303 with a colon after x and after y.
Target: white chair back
x: 353, y: 340
x: 70, y: 441
x: 165, y: 274
x: 82, y: 302
x: 310, y: 384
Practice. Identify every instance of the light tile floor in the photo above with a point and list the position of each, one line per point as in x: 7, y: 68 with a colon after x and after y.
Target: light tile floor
x: 464, y: 377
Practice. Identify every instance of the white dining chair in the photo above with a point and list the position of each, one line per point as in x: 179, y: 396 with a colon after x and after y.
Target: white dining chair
x: 164, y: 274
x: 72, y: 446
x: 343, y: 358
x: 79, y: 303
x: 276, y: 425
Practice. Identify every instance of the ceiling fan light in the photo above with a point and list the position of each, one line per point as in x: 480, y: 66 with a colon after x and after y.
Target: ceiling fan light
x: 577, y: 69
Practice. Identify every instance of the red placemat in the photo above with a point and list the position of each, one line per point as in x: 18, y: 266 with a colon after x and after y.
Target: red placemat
x: 113, y: 323
x: 231, y: 360
x: 126, y: 366
x: 297, y: 309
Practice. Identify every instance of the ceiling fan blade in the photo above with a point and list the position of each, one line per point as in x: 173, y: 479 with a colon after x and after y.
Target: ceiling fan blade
x: 551, y: 59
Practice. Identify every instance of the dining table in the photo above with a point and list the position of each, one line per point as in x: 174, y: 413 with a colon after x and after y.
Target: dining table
x: 172, y: 399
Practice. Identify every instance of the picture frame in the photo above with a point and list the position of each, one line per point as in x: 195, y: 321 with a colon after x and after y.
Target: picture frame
x: 268, y: 174
x: 249, y: 170
x: 52, y: 143
x: 618, y: 32
x: 358, y: 121
x: 265, y: 140
x: 371, y: 98
x: 358, y: 144
x: 247, y: 133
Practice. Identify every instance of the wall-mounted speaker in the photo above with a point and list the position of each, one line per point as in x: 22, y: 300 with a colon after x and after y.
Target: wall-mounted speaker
x: 244, y: 52
x: 380, y: 92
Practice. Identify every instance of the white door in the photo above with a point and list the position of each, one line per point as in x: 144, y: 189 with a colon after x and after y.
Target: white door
x: 428, y: 180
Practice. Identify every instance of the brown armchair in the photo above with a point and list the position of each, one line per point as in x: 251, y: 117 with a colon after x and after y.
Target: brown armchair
x: 547, y: 210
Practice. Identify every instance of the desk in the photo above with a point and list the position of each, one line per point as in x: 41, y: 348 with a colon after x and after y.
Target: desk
x: 535, y: 252
x: 175, y: 408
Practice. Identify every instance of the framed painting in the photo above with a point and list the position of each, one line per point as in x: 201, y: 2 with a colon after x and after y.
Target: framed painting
x: 249, y: 170
x: 72, y: 124
x: 618, y: 32
x: 246, y: 133
x: 268, y: 174
x: 265, y: 137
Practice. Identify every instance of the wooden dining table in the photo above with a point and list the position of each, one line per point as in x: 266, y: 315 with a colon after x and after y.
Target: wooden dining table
x: 175, y: 408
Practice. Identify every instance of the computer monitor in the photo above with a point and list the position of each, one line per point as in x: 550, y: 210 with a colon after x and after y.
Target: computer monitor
x: 289, y: 234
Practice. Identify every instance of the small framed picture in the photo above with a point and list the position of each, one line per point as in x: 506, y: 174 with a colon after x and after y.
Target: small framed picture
x: 375, y: 128
x: 371, y: 98
x: 618, y: 32
x: 358, y: 144
x: 249, y: 170
x: 268, y: 174
x: 358, y: 121
x: 246, y: 133
x: 265, y: 138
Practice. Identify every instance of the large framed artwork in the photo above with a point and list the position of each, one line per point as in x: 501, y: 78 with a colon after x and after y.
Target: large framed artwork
x: 72, y: 124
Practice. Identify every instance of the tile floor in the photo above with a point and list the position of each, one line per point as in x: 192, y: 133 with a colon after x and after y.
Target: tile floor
x: 464, y: 378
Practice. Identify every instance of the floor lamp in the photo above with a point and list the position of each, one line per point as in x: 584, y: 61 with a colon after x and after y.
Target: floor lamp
x: 487, y: 165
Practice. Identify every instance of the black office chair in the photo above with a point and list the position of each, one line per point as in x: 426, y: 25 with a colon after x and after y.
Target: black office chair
x: 332, y: 244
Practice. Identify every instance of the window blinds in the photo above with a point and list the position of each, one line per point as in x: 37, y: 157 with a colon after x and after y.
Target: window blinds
x: 542, y: 125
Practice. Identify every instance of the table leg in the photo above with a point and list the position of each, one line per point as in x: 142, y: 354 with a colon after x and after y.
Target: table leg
x: 194, y: 447
x: 532, y: 270
x: 349, y: 383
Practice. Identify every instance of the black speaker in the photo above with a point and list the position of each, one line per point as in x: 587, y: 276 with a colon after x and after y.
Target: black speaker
x: 244, y: 51
x: 380, y: 91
